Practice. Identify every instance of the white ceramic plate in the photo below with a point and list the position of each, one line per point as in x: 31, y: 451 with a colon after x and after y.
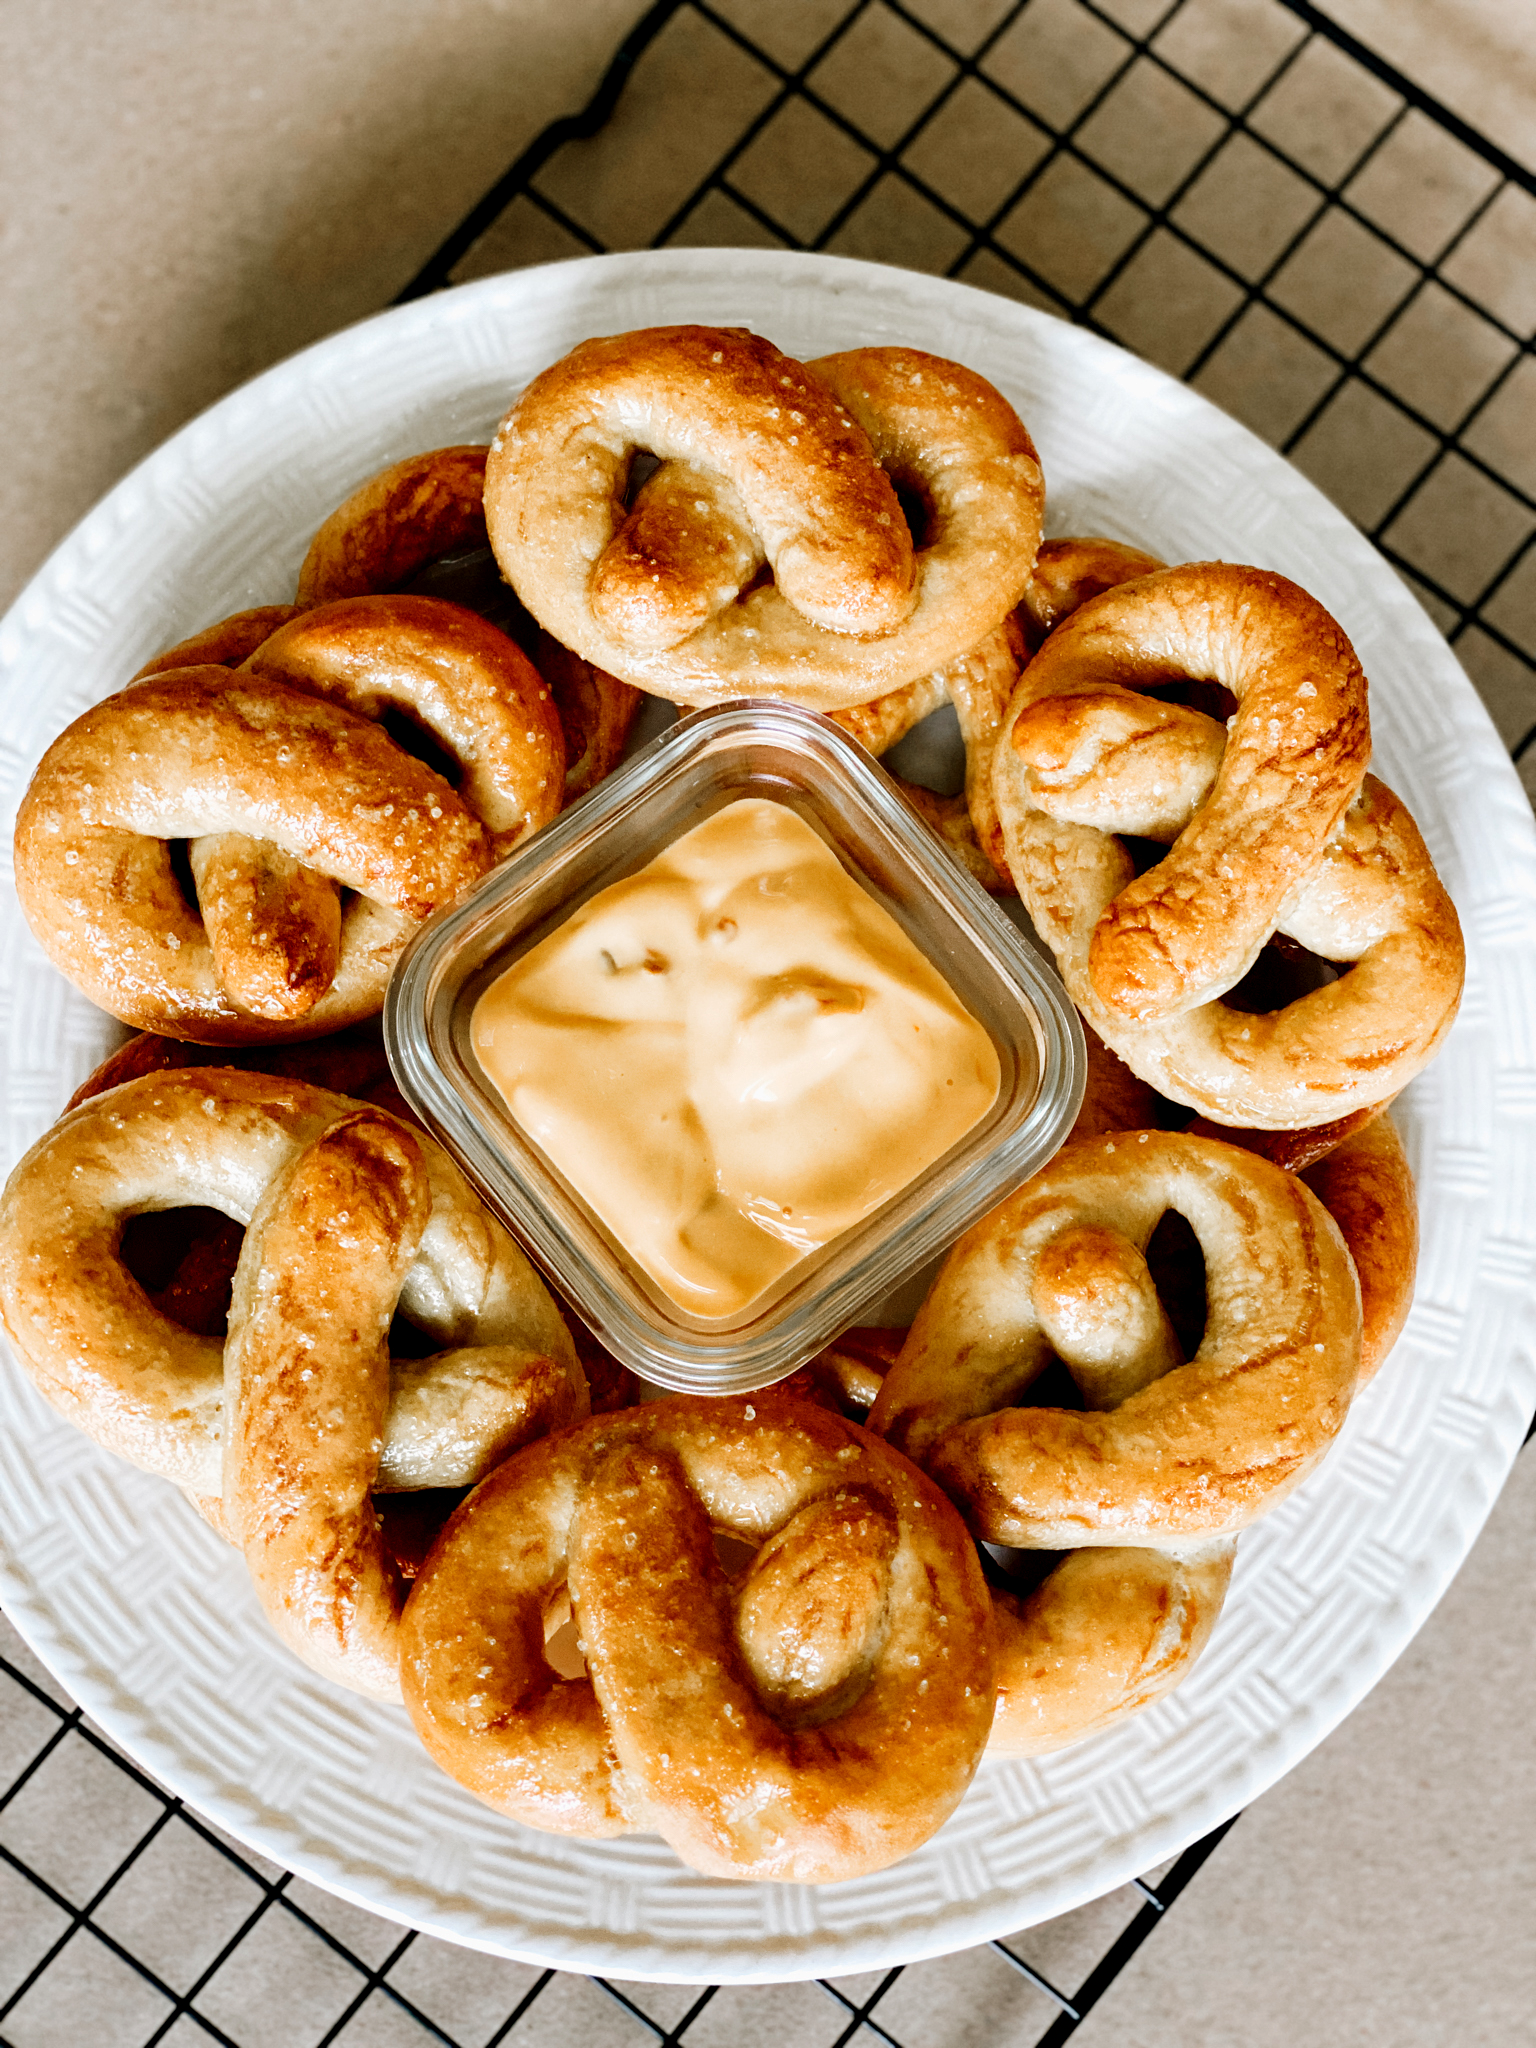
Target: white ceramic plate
x: 151, y: 1622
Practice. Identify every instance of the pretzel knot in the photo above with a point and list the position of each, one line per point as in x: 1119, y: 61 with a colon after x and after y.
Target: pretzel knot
x: 288, y: 788
x: 764, y: 462
x: 1146, y: 1488
x: 1191, y: 1450
x: 814, y: 1720
x: 1273, y: 826
x: 300, y: 1415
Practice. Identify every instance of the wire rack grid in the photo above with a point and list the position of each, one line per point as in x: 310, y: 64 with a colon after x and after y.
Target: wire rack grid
x: 1237, y: 190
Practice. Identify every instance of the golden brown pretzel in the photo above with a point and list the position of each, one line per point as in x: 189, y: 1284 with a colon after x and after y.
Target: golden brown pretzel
x: 813, y: 1721
x: 227, y: 643
x: 283, y: 798
x: 980, y: 685
x: 1107, y: 1632
x: 1269, y: 834
x: 1104, y: 1634
x: 306, y: 1392
x: 153, y: 1392
x: 394, y: 524
x: 1068, y: 572
x: 408, y: 516
x: 201, y: 753
x: 1191, y: 1451
x: 763, y: 459
x: 1109, y: 1629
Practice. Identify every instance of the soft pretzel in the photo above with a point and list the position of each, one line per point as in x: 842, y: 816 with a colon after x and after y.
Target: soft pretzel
x: 1191, y: 1451
x: 453, y: 675
x: 764, y: 460
x: 1107, y: 1632
x: 814, y: 1721
x: 1109, y: 1629
x: 980, y: 685
x: 153, y: 1392
x: 1273, y: 824
x: 1104, y: 1634
x: 1366, y: 1185
x: 283, y: 798
x: 306, y: 1392
x: 1068, y: 572
x: 226, y: 643
x: 431, y: 505
x: 394, y: 524
x: 200, y: 754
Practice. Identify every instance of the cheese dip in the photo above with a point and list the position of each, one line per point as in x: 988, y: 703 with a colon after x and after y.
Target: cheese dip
x: 734, y: 1056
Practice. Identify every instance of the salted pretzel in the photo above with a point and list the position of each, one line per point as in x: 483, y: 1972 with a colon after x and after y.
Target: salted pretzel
x: 153, y: 1392
x: 1147, y: 1488
x: 408, y: 517
x: 1192, y: 1450
x: 287, y: 789
x: 390, y: 527
x: 1068, y: 572
x: 814, y: 1720
x: 1104, y: 1634
x: 980, y: 685
x: 765, y: 463
x: 225, y: 644
x: 1273, y: 826
x: 1366, y: 1185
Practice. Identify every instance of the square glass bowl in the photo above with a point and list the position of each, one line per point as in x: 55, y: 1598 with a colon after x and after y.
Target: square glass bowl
x: 696, y: 767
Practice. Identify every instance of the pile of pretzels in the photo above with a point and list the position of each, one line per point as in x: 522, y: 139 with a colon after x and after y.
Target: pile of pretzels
x: 781, y: 1630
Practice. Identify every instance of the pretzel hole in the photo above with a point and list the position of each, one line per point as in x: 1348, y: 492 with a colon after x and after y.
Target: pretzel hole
x: 932, y: 754
x: 181, y: 867
x: 1283, y: 973
x: 1144, y: 853
x: 185, y: 1259
x: 1020, y: 1572
x: 734, y: 1553
x: 916, y: 509
x: 1195, y: 694
x: 406, y: 1341
x: 466, y: 576
x: 561, y: 1651
x: 1052, y: 1388
x: 420, y: 742
x: 412, y: 1522
x: 643, y: 465
x: 1177, y: 1266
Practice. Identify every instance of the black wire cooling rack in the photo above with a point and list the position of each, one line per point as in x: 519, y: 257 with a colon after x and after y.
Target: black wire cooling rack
x: 1236, y: 189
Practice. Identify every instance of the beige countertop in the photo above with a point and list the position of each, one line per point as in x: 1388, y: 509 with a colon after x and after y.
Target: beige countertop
x: 192, y: 191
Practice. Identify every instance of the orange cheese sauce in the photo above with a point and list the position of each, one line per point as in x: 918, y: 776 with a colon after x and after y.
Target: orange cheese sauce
x: 734, y: 1056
